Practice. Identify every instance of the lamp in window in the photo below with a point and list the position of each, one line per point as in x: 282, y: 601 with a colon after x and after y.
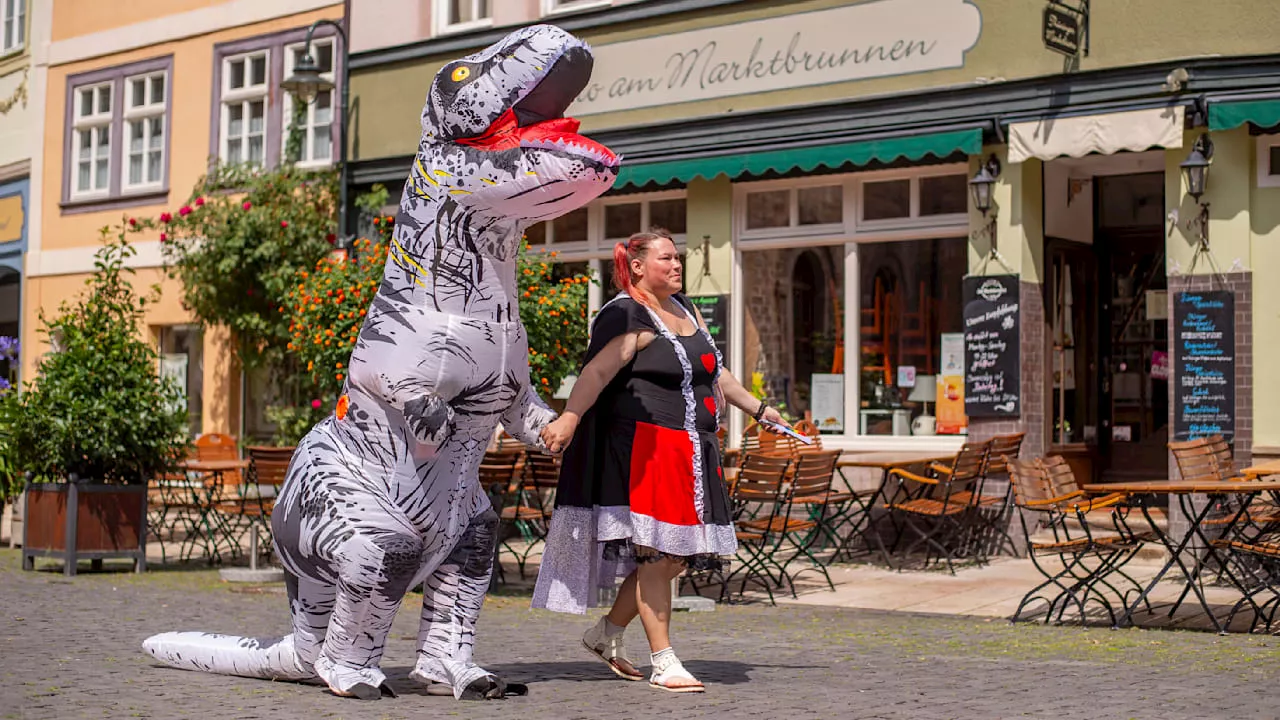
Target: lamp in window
x: 304, y: 84
x: 1195, y: 173
x: 925, y: 391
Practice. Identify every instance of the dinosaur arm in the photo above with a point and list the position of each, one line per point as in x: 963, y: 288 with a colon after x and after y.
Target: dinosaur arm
x: 526, y: 417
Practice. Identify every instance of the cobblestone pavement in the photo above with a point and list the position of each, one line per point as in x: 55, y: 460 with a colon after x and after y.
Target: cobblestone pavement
x: 69, y: 648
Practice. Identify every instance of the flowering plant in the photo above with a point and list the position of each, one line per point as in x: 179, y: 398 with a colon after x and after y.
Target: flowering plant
x: 10, y: 483
x: 553, y: 310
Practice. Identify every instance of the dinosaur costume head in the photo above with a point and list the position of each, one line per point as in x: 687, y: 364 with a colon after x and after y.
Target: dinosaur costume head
x: 495, y: 140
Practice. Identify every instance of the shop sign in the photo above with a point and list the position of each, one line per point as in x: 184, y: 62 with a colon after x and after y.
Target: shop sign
x: 1064, y: 29
x: 826, y: 404
x: 992, y: 348
x: 1204, y: 365
x: 951, y: 419
x: 715, y: 313
x: 856, y: 42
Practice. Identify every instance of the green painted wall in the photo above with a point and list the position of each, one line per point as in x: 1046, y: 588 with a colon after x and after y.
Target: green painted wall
x: 389, y: 99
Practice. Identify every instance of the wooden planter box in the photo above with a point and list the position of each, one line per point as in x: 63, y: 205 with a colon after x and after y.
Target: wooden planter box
x: 84, y: 522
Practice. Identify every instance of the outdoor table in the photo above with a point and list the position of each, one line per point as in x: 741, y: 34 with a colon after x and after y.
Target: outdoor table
x: 1185, y: 490
x: 214, y: 482
x: 1271, y: 467
x: 885, y: 461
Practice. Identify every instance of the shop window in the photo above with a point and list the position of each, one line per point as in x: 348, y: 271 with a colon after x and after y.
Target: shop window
x: 886, y: 200
x: 622, y: 219
x: 770, y: 209
x: 791, y: 303
x: 569, y: 228
x: 944, y: 195
x: 909, y: 310
x: 182, y: 358
x: 1269, y: 161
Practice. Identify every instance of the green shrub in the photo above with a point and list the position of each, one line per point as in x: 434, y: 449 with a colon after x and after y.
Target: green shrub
x: 99, y: 409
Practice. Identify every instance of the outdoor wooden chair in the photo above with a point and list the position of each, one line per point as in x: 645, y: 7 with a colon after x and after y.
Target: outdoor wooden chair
x: 531, y: 514
x: 255, y: 498
x: 811, y: 494
x: 501, y: 474
x: 1089, y: 537
x: 760, y: 484
x: 992, y: 499
x: 937, y: 505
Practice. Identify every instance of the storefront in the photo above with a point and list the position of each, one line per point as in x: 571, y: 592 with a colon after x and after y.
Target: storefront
x: 817, y: 160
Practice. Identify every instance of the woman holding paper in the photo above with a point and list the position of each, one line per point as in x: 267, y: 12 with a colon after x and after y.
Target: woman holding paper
x: 641, y: 492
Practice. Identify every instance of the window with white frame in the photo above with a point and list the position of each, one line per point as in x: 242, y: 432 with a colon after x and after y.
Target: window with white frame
x: 244, y: 108
x: 458, y: 15
x: 852, y: 283
x: 254, y: 126
x: 558, y: 6
x: 144, y: 128
x: 117, y: 135
x: 92, y: 140
x: 315, y: 123
x: 13, y: 25
x: 1269, y: 161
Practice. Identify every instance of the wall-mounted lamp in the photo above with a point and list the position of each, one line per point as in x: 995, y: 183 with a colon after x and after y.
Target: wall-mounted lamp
x: 706, y: 256
x: 983, y: 184
x: 1195, y: 173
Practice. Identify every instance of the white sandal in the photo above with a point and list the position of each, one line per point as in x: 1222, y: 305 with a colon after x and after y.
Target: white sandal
x: 666, y: 668
x: 611, y: 650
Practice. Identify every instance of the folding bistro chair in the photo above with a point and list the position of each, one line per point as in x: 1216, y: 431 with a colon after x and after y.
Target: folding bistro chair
x: 992, y: 498
x: 811, y: 492
x: 255, y: 498
x: 759, y: 488
x: 1089, y: 537
x: 937, y: 505
x: 500, y: 474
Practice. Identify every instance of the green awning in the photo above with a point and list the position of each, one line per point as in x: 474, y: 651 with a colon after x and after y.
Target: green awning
x: 911, y: 147
x: 1229, y: 115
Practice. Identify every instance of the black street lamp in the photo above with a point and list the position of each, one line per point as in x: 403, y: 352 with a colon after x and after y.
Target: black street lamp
x: 304, y: 84
x: 1195, y: 169
x: 983, y: 184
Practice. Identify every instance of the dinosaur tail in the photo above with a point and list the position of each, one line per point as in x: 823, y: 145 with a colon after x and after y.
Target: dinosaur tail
x: 266, y: 658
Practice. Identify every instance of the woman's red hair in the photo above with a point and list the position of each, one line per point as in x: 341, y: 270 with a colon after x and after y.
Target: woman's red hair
x: 623, y: 253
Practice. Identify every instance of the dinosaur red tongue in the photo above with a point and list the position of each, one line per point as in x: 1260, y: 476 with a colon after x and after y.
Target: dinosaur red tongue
x: 505, y: 134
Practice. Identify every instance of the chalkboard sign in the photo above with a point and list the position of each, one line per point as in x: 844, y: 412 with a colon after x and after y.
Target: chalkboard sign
x: 715, y: 313
x: 992, y: 353
x: 1204, y: 365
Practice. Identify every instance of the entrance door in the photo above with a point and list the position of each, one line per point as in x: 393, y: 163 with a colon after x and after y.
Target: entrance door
x: 1133, y: 327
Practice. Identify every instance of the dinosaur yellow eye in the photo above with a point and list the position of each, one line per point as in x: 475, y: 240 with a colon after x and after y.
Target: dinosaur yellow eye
x: 460, y: 73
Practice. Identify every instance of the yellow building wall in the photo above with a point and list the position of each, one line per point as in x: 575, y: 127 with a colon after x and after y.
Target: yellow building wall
x: 1231, y: 179
x: 189, y: 128
x: 1008, y: 48
x: 709, y: 207
x: 1264, y: 233
x: 75, y: 18
x: 1018, y: 208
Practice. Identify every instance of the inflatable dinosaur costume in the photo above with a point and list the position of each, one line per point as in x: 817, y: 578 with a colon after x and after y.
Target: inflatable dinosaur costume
x: 384, y: 494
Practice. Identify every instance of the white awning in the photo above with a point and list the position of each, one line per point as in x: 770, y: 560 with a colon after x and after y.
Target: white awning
x: 1136, y: 130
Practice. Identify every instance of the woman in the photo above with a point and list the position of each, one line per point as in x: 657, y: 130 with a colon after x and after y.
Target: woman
x: 641, y: 489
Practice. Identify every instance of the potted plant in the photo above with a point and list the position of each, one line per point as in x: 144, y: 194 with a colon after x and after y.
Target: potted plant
x: 97, y: 424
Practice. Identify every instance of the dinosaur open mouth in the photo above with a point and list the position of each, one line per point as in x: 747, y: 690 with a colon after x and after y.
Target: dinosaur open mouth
x: 538, y: 120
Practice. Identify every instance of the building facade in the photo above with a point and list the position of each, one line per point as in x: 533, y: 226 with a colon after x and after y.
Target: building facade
x: 140, y: 97
x: 813, y: 159
x: 24, y: 30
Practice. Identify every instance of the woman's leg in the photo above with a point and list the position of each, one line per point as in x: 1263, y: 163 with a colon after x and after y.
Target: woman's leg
x: 625, y: 605
x: 653, y: 599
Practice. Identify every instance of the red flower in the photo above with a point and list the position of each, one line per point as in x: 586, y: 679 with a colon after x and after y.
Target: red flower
x: 284, y: 223
x: 315, y: 404
x: 184, y: 210
x: 247, y: 205
x: 164, y: 238
x: 166, y: 218
x: 133, y: 222
x: 331, y: 238
x: 199, y: 201
x: 377, y: 221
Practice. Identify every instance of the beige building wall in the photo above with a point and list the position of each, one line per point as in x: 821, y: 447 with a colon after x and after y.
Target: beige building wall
x: 58, y: 269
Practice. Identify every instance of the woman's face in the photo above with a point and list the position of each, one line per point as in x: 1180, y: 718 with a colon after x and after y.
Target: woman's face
x: 659, y: 270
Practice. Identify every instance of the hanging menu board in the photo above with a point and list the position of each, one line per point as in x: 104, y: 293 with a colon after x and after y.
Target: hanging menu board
x: 992, y: 352
x: 1204, y: 365
x: 715, y: 313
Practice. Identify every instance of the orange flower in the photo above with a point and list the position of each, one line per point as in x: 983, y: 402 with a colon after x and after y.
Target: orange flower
x: 338, y: 366
x: 343, y: 404
x: 339, y: 376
